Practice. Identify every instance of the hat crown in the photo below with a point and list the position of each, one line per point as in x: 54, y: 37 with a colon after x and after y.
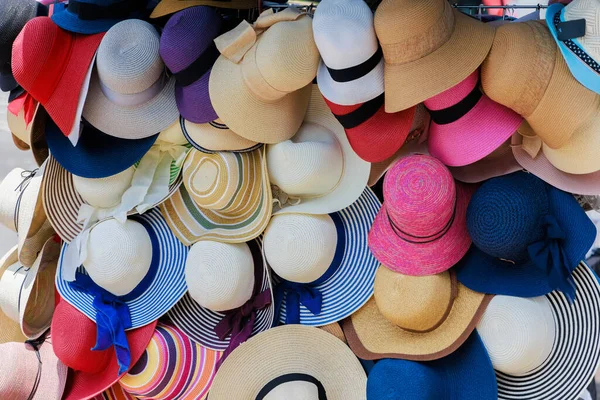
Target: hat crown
x: 104, y: 192
x: 454, y: 95
x: 15, y: 14
x: 589, y: 10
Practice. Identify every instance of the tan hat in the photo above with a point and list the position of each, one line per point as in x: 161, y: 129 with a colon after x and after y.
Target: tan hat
x: 11, y: 330
x: 525, y: 71
x: 418, y: 318
x: 428, y: 47
x: 260, y: 85
x: 37, y: 138
x: 166, y: 7
x: 214, y: 136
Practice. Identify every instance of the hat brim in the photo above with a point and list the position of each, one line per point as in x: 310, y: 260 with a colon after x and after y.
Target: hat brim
x: 358, y: 91
x: 193, y: 101
x: 7, y: 82
x: 166, y: 7
x: 53, y: 377
x: 72, y: 23
x: 498, y: 163
x: 213, y: 137
x: 39, y: 146
x: 115, y: 392
x: 16, y: 92
x: 11, y: 330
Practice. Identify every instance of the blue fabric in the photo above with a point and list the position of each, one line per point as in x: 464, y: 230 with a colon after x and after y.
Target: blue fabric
x: 296, y: 294
x: 72, y: 23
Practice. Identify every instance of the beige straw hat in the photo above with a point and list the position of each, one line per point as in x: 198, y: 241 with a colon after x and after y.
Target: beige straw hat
x: 11, y: 330
x: 166, y: 7
x: 428, y: 47
x: 260, y: 85
x: 214, y: 136
x: 267, y: 361
x: 414, y: 318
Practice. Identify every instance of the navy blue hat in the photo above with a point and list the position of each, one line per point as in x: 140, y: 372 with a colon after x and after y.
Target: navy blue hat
x: 97, y: 155
x: 466, y: 374
x: 96, y: 16
x: 528, y: 237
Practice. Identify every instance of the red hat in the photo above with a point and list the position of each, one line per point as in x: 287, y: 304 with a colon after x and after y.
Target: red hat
x: 51, y: 64
x: 373, y: 134
x: 91, y: 372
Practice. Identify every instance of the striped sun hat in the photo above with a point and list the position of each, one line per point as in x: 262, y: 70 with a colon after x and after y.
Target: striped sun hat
x: 115, y: 392
x: 224, y: 197
x: 173, y: 367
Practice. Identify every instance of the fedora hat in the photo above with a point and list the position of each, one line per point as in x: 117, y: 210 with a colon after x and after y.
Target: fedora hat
x: 213, y: 137
x: 166, y: 7
x: 421, y: 228
x: 436, y: 316
x: 428, y: 47
x: 544, y: 345
x: 465, y: 374
x: 351, y: 70
x: 466, y: 125
x: 236, y: 302
x: 260, y: 85
x: 324, y: 268
x: 316, y: 171
x: 528, y: 237
x: 224, y: 197
x: 188, y: 50
x: 11, y: 329
x: 172, y: 367
x: 130, y: 94
x: 96, y: 16
x: 529, y: 76
x: 297, y: 362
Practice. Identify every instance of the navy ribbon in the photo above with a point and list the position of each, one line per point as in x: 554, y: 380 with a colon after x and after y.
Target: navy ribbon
x: 297, y: 377
x: 296, y: 294
x: 112, y: 319
x: 549, y: 255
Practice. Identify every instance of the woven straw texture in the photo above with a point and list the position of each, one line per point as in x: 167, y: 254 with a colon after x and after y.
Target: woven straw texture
x: 115, y: 392
x: 499, y: 162
x: 15, y: 13
x: 214, y: 136
x: 166, y: 7
x: 11, y: 330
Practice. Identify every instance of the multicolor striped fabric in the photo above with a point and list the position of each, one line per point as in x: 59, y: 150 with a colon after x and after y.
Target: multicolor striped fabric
x: 224, y: 197
x: 173, y: 367
x: 115, y: 392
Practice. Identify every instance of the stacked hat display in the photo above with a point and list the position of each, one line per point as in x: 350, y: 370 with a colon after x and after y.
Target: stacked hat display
x: 352, y: 200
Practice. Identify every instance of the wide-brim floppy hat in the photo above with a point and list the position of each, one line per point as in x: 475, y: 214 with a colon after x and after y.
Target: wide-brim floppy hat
x: 561, y: 336
x: 96, y: 16
x: 301, y: 357
x: 453, y: 46
x: 11, y: 330
x: 166, y: 7
x: 214, y: 136
x: 466, y: 374
x: 499, y: 162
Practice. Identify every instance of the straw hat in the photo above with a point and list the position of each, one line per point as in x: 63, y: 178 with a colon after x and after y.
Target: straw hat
x: 114, y: 392
x: 544, y: 345
x: 95, y: 16
x: 166, y: 7
x: 260, y: 85
x: 293, y: 360
x: 224, y: 197
x: 214, y: 136
x: 498, y: 163
x: 428, y: 47
x: 525, y: 72
x: 130, y: 95
x: 11, y: 330
x: 316, y: 171
x: 437, y: 315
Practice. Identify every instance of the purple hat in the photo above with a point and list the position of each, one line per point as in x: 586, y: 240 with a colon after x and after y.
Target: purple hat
x: 188, y: 50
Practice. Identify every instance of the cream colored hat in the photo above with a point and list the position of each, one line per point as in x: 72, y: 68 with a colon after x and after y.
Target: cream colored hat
x: 215, y: 136
x: 11, y: 330
x: 104, y: 192
x: 316, y: 171
x: 260, y: 85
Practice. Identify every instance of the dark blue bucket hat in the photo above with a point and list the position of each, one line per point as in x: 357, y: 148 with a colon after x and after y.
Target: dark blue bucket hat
x: 528, y: 237
x: 96, y: 16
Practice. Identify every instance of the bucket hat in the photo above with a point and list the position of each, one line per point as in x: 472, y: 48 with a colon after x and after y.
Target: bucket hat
x: 528, y: 237
x: 11, y: 329
x: 553, y: 352
x: 188, y: 50
x: 465, y: 374
x: 214, y: 136
x: 351, y: 70
x: 260, y: 85
x: 498, y: 163
x: 437, y: 315
x: 529, y: 76
x: 324, y: 268
x: 450, y: 47
x: 236, y: 209
x: 421, y: 228
x: 467, y: 125
x: 166, y: 7
x: 173, y: 366
x: 96, y: 16
x: 235, y: 304
x: 130, y: 95
x: 294, y: 359
x: 316, y: 171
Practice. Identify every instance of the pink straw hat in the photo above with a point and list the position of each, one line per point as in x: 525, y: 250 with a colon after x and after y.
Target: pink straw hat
x: 466, y: 125
x: 421, y: 227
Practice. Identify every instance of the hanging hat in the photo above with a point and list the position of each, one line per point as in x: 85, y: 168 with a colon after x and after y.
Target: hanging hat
x: 528, y: 237
x: 316, y: 171
x: 224, y: 197
x: 297, y: 361
x: 417, y: 318
x: 573, y: 27
x: 525, y: 73
x: 545, y: 346
x: 351, y: 70
x: 130, y: 94
x: 324, y: 268
x: 188, y: 50
x: 96, y: 16
x: 37, y: 142
x: 466, y: 374
x: 466, y: 125
x: 428, y: 47
x: 236, y: 302
x: 11, y: 330
x: 214, y: 136
x: 260, y: 85
x: 93, y: 371
x: 421, y: 227
x: 166, y: 7
x: 172, y: 367
x: 20, y: 116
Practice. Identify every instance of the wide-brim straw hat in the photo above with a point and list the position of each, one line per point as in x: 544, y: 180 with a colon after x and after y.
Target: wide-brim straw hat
x: 11, y: 330
x: 290, y: 349
x: 499, y: 162
x: 428, y: 47
x: 166, y: 7
x: 214, y: 136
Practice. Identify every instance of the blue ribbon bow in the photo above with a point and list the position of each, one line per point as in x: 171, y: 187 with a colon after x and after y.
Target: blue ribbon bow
x: 296, y: 294
x: 112, y: 319
x: 549, y: 255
